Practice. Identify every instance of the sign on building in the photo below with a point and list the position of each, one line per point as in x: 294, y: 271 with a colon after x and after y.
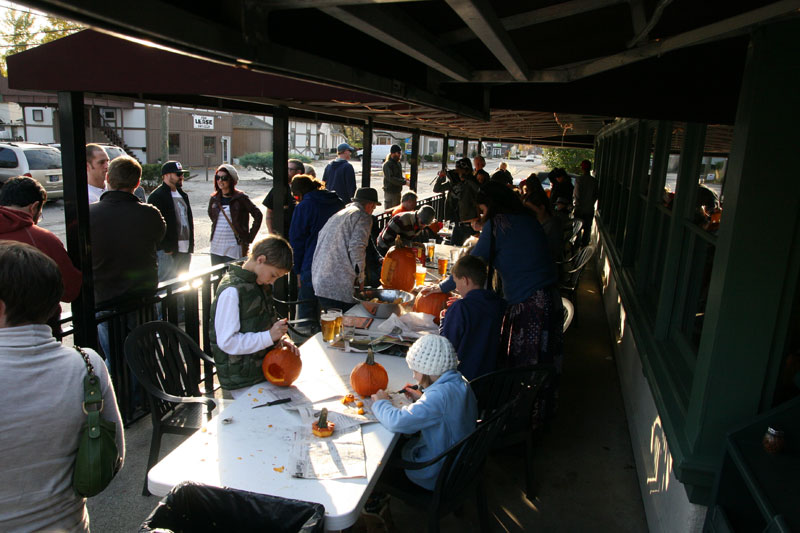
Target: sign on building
x: 203, y: 122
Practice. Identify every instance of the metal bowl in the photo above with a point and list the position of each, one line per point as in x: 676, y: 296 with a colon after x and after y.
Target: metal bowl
x: 385, y: 308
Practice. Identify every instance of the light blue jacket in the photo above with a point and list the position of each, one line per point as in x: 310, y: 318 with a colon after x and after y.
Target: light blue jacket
x: 445, y: 414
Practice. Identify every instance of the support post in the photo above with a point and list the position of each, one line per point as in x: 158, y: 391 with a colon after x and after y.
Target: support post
x: 414, y: 159
x: 280, y: 169
x: 366, y: 157
x: 76, y: 211
x: 445, y: 150
x: 280, y: 184
x: 465, y: 150
x: 480, y: 146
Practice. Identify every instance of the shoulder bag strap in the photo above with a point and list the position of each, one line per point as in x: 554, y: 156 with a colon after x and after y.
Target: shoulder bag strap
x: 91, y: 386
x: 235, y: 231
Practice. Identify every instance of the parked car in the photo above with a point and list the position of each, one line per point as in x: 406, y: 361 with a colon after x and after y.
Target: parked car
x: 112, y: 151
x: 38, y: 161
x: 531, y: 157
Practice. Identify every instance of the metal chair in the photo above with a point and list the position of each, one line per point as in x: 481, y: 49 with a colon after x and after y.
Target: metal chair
x: 521, y: 385
x: 571, y: 277
x: 291, y: 307
x: 571, y: 237
x: 461, y: 474
x: 167, y: 363
x: 569, y: 312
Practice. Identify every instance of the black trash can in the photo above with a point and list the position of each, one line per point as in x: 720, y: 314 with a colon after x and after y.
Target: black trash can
x: 192, y: 507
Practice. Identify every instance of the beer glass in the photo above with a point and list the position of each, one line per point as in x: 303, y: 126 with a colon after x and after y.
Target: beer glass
x: 337, y: 313
x: 442, y: 266
x: 431, y: 249
x: 419, y: 276
x: 328, y: 322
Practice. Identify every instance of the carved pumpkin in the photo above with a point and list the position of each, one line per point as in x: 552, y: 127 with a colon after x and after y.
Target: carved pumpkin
x: 369, y: 377
x: 399, y: 267
x: 431, y: 303
x: 323, y: 428
x: 281, y: 366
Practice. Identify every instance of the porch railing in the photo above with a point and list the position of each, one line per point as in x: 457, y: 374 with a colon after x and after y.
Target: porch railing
x: 185, y: 302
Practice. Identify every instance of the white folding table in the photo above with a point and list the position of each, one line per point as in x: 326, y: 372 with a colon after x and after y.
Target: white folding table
x: 252, y: 451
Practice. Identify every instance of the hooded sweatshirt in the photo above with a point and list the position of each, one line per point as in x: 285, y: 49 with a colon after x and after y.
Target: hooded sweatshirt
x: 310, y: 215
x: 340, y: 177
x: 472, y: 324
x: 18, y: 226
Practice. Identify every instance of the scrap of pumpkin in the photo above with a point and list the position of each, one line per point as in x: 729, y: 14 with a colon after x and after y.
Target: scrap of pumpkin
x: 278, y: 468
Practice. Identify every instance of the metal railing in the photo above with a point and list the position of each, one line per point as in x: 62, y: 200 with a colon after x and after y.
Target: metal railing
x: 185, y: 302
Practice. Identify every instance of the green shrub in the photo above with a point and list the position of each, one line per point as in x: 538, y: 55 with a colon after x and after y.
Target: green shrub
x: 427, y: 157
x: 303, y: 158
x: 151, y: 176
x: 567, y: 158
x: 258, y: 160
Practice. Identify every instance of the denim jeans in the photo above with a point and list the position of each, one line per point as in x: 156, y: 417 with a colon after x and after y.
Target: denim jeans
x: 170, y: 265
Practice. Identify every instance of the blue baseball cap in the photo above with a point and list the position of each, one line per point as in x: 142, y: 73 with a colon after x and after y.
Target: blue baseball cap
x: 344, y: 146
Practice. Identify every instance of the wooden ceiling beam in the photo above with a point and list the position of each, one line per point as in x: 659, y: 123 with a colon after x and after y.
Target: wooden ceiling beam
x: 482, y: 20
x: 392, y: 28
x: 304, y: 4
x: 533, y: 17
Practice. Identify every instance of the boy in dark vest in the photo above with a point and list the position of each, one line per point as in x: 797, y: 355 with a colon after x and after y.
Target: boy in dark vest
x: 244, y: 326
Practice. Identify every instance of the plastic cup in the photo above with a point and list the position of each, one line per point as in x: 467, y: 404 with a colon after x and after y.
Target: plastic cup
x: 419, y: 276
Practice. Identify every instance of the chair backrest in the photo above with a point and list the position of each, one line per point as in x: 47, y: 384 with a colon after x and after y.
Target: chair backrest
x: 465, y: 459
x: 573, y: 275
x: 501, y: 387
x: 569, y: 312
x: 165, y: 360
x: 577, y: 225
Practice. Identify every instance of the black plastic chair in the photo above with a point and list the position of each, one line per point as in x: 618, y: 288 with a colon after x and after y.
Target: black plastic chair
x: 572, y: 275
x: 461, y: 474
x: 522, y: 385
x: 167, y: 363
x: 291, y: 306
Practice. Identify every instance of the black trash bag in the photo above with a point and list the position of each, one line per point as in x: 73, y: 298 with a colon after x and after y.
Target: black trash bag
x: 196, y: 508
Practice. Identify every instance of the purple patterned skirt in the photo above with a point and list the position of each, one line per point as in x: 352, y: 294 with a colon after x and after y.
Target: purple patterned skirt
x: 532, y: 331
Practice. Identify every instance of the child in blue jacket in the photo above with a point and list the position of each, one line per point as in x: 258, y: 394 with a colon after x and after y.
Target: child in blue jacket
x: 473, y: 322
x: 444, y: 409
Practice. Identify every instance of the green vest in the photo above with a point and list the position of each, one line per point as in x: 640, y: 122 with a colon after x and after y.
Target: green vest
x: 256, y: 313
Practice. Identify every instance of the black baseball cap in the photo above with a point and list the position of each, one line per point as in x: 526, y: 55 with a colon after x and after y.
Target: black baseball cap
x: 172, y: 166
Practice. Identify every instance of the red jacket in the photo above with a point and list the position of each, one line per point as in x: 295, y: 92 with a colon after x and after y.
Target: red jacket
x: 18, y: 226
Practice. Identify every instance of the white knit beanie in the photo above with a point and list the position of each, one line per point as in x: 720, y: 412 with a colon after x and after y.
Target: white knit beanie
x: 232, y: 172
x: 432, y: 355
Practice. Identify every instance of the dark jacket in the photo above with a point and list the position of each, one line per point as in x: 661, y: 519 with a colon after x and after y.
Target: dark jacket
x: 393, y: 179
x: 124, y: 233
x: 18, y: 226
x: 241, y: 209
x: 340, y: 177
x: 472, y: 324
x: 162, y: 199
x: 310, y: 215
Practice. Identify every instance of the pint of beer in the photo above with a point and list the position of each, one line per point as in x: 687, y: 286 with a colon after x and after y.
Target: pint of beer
x: 328, y: 321
x: 442, y: 266
x: 419, y: 276
x: 431, y: 248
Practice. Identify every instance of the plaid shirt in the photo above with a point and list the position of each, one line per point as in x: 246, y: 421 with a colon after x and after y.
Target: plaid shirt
x: 404, y: 225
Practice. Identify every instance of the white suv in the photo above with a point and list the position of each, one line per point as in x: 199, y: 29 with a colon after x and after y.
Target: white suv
x: 38, y: 161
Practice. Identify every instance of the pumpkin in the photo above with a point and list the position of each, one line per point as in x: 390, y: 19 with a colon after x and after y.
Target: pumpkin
x: 281, y: 366
x: 368, y: 377
x: 431, y: 303
x: 321, y: 427
x: 399, y: 268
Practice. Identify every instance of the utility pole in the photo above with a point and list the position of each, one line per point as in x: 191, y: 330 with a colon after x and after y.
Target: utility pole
x: 164, y: 134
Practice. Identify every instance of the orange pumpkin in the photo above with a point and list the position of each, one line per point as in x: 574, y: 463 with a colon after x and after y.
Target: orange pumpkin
x: 399, y: 267
x: 281, y: 366
x: 369, y: 377
x: 431, y: 303
x: 323, y: 428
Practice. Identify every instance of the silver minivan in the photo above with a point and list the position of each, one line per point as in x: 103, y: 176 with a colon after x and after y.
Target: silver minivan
x: 38, y: 161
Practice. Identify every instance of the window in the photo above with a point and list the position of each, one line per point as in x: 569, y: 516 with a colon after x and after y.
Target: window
x: 38, y: 115
x: 43, y: 159
x: 209, y: 145
x: 433, y: 147
x: 174, y: 143
x: 8, y: 159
